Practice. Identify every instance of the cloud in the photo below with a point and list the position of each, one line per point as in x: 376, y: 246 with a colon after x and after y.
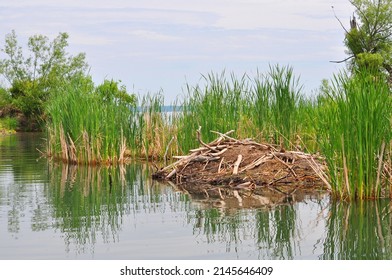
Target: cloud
x: 153, y: 43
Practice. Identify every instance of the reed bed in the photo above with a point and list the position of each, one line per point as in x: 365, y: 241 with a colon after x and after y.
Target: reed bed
x: 268, y: 107
x: 355, y: 136
x: 85, y: 128
x: 349, y: 122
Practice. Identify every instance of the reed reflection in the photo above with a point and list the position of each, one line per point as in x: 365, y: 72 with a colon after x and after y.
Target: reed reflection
x: 93, y: 202
x: 359, y: 230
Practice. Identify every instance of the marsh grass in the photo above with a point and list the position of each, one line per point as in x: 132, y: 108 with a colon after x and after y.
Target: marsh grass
x: 268, y: 107
x: 355, y: 136
x: 277, y: 107
x: 217, y: 106
x: 349, y: 122
x: 84, y: 128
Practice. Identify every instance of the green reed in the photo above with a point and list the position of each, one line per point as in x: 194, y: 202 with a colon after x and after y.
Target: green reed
x: 355, y: 135
x: 84, y: 127
x: 218, y: 106
x: 278, y: 109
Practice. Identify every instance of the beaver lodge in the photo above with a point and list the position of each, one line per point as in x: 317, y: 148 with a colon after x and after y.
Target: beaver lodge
x: 245, y: 171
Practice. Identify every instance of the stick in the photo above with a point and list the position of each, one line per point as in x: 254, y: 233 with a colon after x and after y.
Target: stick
x: 202, y: 149
x: 225, y: 135
x: 237, y: 164
x: 288, y: 166
x: 201, y: 141
x: 171, y: 174
x: 256, y: 163
x: 220, y: 165
x: 185, y: 159
x: 239, y: 198
x: 219, y: 153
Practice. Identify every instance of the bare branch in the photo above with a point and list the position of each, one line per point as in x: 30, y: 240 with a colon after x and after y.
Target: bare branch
x: 344, y: 60
x: 341, y: 24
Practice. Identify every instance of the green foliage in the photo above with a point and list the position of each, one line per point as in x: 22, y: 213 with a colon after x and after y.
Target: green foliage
x: 369, y: 41
x: 369, y: 61
x: 32, y: 79
x: 217, y: 106
x: 267, y: 107
x: 8, y: 124
x: 112, y: 91
x: 5, y: 98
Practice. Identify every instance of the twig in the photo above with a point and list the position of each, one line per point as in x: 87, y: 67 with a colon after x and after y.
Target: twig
x: 219, y: 153
x: 341, y: 61
x: 225, y: 135
x: 201, y: 141
x: 288, y: 166
x: 171, y: 173
x: 256, y: 163
x: 220, y: 165
x: 237, y: 164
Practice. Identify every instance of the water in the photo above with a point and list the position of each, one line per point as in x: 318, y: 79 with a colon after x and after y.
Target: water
x: 54, y: 211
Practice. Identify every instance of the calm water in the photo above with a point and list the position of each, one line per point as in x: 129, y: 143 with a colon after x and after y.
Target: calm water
x: 55, y: 211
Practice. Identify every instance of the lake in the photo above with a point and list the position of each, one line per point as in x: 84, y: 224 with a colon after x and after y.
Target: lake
x: 50, y: 210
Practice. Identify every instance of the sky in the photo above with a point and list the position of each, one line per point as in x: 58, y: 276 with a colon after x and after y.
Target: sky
x: 156, y: 46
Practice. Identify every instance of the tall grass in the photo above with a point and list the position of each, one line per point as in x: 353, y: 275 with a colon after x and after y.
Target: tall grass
x: 85, y: 128
x: 350, y: 122
x: 217, y: 106
x: 268, y: 107
x: 355, y: 135
x: 274, y: 105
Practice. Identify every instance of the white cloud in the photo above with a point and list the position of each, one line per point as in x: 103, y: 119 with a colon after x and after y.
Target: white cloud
x: 154, y: 43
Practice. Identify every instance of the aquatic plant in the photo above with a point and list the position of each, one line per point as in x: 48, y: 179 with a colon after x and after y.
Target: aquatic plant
x: 84, y: 127
x: 274, y: 104
x: 355, y: 135
x: 216, y: 106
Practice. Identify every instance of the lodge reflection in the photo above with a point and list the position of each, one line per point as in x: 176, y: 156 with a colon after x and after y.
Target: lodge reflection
x: 91, y: 203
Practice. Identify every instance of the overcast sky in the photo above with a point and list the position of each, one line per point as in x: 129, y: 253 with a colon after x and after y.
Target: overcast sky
x: 163, y: 44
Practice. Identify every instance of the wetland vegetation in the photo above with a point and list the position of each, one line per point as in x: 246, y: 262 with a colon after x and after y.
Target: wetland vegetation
x: 348, y: 120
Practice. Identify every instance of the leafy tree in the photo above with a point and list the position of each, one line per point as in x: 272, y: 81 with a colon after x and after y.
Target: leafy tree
x: 32, y: 79
x: 111, y: 90
x: 369, y: 39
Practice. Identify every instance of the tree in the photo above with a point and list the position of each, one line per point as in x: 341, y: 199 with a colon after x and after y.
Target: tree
x: 369, y: 39
x: 32, y: 79
x: 112, y: 91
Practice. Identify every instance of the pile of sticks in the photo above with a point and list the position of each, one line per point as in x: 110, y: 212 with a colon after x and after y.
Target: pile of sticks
x: 215, y: 152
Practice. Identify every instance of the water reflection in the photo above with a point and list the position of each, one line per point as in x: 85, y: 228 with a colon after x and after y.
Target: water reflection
x: 360, y: 230
x: 56, y: 211
x: 95, y: 201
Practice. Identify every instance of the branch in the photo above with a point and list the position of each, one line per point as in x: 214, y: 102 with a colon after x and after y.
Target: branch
x: 341, y: 24
x: 344, y: 60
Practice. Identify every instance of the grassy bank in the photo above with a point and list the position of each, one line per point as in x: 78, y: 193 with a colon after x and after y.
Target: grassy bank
x: 349, y: 122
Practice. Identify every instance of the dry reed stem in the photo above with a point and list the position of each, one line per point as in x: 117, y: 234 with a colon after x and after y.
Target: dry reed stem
x: 64, y: 145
